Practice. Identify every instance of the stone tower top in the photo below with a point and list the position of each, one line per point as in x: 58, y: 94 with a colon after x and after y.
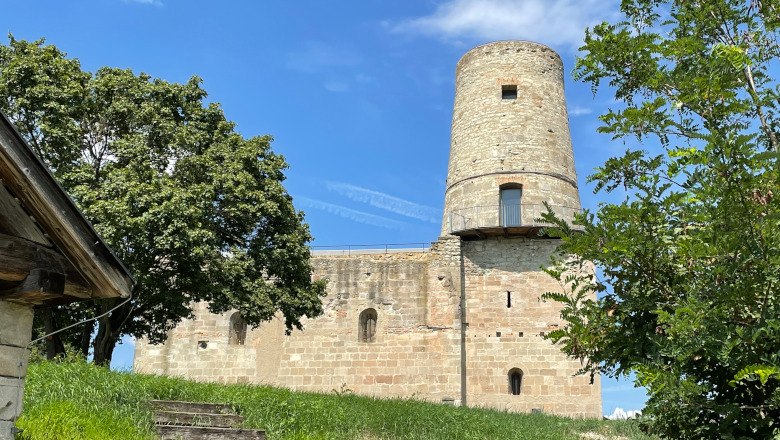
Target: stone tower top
x: 511, y: 148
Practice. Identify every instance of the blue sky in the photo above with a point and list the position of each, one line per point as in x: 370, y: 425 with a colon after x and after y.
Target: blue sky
x: 357, y: 93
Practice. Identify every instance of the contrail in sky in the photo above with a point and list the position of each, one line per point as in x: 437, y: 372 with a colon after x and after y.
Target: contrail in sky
x: 351, y: 214
x: 387, y: 202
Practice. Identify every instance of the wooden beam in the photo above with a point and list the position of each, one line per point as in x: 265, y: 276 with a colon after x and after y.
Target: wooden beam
x: 20, y: 257
x: 41, y: 195
x: 14, y: 221
x: 38, y: 286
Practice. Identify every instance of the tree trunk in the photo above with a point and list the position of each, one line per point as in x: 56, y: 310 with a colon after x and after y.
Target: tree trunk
x: 54, y: 345
x: 109, y: 331
x: 104, y: 346
x: 86, y: 338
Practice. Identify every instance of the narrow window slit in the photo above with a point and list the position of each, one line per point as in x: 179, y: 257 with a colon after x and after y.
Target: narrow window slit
x: 509, y: 91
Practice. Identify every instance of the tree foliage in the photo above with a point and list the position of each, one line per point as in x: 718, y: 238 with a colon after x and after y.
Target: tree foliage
x: 689, y: 262
x: 196, y: 211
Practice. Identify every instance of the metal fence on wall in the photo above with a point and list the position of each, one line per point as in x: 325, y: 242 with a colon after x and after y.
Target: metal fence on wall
x: 384, y: 248
x: 492, y: 216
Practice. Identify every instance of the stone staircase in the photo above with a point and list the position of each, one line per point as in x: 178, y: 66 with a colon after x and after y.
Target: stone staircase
x: 200, y: 421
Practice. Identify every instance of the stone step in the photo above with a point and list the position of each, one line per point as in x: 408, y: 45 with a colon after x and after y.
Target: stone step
x: 191, y: 407
x: 175, y: 432
x: 197, y: 419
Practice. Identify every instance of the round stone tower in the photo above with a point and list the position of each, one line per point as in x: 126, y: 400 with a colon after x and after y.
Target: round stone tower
x: 511, y: 148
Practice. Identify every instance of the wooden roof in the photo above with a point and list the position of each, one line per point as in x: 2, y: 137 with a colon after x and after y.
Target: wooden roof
x: 45, y: 240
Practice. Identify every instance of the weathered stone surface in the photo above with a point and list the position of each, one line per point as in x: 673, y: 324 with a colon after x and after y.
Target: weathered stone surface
x: 15, y: 324
x: 523, y: 141
x: 13, y: 361
x: 11, y: 391
x: 15, y: 329
x: 6, y: 430
x: 417, y: 347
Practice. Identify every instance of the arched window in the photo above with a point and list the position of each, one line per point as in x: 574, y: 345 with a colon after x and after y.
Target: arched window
x: 237, y: 329
x: 367, y: 326
x: 509, y: 199
x: 515, y: 381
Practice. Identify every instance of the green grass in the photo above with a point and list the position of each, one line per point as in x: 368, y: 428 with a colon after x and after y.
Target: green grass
x: 76, y: 400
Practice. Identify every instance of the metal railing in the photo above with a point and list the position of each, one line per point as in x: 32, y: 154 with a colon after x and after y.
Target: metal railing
x: 505, y: 216
x: 384, y: 248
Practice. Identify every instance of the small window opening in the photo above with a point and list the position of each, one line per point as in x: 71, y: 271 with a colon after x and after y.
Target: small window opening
x: 237, y: 329
x: 367, y: 326
x: 515, y: 381
x: 508, y: 299
x: 203, y: 345
x: 498, y: 334
x: 520, y: 334
x: 509, y: 91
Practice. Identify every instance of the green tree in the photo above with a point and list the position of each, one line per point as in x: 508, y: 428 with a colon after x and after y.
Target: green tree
x: 688, y: 263
x: 196, y: 211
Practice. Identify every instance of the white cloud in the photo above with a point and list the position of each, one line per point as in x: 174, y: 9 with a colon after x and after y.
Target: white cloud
x: 352, y: 214
x: 316, y: 56
x: 579, y: 111
x: 621, y: 414
x: 551, y: 22
x: 387, y: 202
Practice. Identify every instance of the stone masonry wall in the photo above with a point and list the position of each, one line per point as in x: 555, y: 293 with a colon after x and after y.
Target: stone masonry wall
x: 497, y: 141
x: 504, y: 335
x: 417, y: 348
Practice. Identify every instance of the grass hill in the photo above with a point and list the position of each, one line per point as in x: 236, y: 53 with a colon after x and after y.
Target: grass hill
x: 77, y: 400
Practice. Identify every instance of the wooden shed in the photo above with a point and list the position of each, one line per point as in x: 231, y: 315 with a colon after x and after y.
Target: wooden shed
x: 49, y: 254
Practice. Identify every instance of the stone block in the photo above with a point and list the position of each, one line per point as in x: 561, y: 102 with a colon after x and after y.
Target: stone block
x: 7, y: 430
x: 11, y: 392
x: 15, y: 324
x: 13, y: 361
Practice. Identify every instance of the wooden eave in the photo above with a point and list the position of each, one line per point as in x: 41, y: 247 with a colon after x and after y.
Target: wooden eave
x: 63, y: 226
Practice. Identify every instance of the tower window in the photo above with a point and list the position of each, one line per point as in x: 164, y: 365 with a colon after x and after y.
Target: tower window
x: 508, y: 299
x: 510, y: 205
x: 367, y: 326
x: 237, y: 329
x: 509, y: 91
x: 515, y: 381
